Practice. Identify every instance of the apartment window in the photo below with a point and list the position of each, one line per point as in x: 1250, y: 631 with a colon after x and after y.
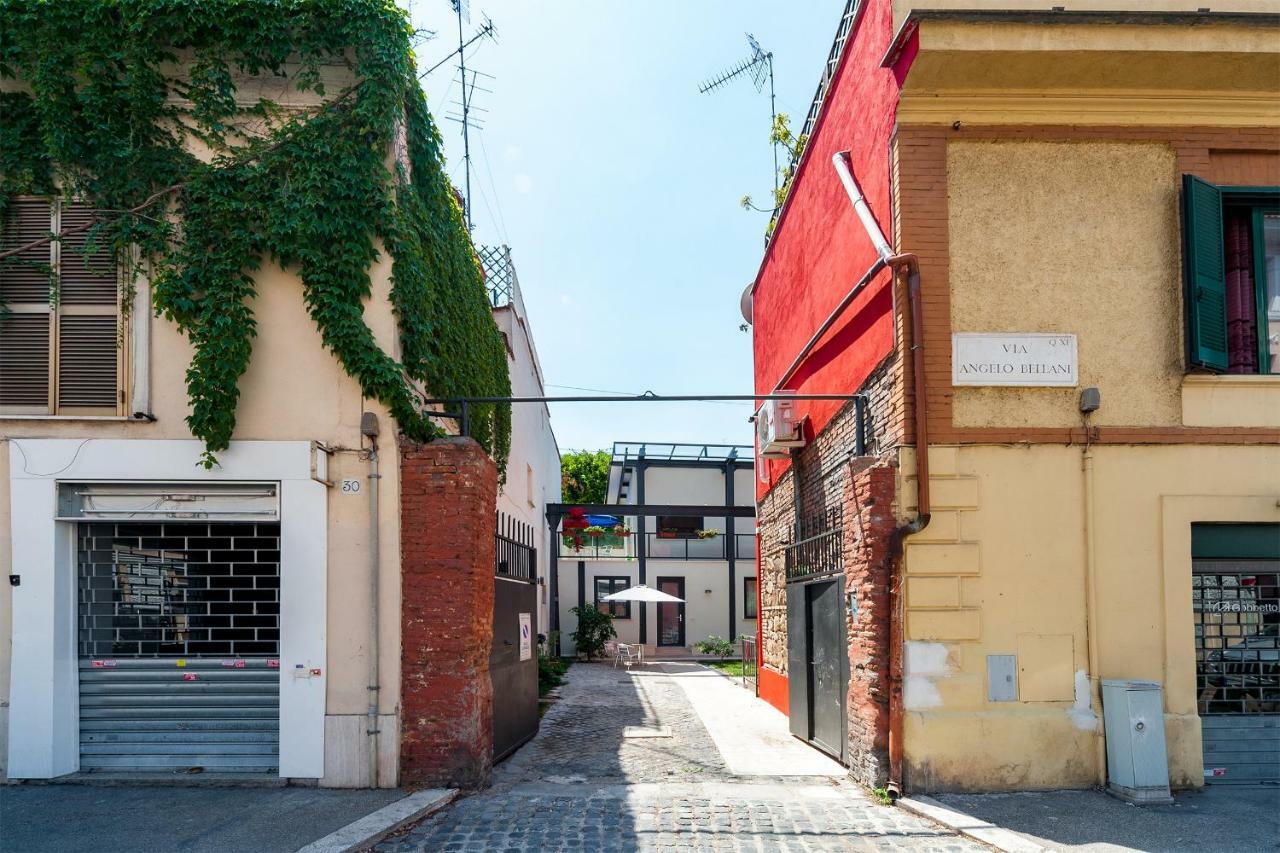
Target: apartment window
x: 679, y: 526
x: 1231, y: 241
x: 59, y: 316
x: 749, y: 598
x: 608, y: 586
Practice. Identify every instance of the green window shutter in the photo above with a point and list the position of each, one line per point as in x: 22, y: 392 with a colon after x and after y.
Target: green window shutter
x: 1206, y: 278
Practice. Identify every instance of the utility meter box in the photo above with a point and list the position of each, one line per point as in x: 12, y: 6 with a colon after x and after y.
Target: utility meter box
x: 1137, y: 763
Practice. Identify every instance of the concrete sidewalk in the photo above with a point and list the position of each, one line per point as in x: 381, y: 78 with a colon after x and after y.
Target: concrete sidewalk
x: 1215, y: 818
x: 71, y: 818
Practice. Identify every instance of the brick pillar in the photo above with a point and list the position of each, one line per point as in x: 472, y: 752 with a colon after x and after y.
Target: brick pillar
x: 448, y: 492
x: 868, y: 526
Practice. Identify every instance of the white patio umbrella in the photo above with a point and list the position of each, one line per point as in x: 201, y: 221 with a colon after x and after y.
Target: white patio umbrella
x: 643, y: 593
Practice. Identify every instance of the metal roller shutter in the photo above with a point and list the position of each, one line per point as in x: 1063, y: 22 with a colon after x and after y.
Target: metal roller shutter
x: 179, y: 640
x: 152, y: 714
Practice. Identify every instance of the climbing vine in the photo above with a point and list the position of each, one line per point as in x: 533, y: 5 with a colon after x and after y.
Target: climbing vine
x: 118, y: 96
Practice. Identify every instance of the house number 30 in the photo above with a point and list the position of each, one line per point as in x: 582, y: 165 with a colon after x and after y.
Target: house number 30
x: 350, y: 487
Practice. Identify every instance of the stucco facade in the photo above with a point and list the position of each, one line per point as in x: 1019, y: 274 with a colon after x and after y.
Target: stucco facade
x: 1036, y: 174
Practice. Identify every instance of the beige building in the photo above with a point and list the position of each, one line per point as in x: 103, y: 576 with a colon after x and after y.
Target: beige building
x: 1091, y: 200
x: 160, y: 616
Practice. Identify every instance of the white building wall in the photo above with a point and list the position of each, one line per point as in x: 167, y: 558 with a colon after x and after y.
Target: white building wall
x: 533, y: 466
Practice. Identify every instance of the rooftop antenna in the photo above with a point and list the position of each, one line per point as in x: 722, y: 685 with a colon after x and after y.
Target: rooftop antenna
x: 759, y: 67
x: 462, y: 9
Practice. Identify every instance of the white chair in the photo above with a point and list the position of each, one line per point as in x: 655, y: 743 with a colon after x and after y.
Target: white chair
x: 628, y: 654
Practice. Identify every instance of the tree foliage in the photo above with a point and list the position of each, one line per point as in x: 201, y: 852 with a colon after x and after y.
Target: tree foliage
x: 584, y: 476
x: 120, y: 93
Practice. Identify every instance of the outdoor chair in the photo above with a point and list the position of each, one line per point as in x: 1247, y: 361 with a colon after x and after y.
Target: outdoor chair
x: 628, y: 654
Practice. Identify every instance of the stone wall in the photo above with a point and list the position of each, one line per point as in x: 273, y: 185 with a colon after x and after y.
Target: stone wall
x: 823, y: 470
x: 448, y: 494
x: 868, y: 527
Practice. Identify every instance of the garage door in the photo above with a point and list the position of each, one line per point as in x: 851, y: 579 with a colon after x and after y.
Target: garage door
x: 1236, y: 599
x: 179, y: 640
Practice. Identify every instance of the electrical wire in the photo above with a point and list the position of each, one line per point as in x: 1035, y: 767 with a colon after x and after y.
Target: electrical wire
x: 26, y: 461
x: 497, y: 200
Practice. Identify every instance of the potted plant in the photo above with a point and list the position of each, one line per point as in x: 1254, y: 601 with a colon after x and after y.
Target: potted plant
x: 711, y: 533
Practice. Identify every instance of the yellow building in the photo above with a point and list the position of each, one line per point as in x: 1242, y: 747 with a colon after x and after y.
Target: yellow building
x: 1091, y: 200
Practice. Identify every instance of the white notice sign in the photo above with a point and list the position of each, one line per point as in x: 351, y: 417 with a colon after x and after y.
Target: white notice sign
x: 526, y: 640
x: 1027, y: 359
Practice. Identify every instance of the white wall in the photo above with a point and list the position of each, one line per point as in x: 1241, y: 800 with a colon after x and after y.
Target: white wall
x: 533, y: 466
x: 43, y: 725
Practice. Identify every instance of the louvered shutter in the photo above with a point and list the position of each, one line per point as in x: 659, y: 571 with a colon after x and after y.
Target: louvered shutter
x: 85, y: 276
x: 25, y: 316
x: 87, y: 368
x: 1205, y: 270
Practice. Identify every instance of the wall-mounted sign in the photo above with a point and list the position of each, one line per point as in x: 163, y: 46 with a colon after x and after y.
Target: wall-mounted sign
x: 1029, y: 359
x: 526, y: 636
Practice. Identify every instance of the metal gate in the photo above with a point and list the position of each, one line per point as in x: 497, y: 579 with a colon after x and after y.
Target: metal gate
x: 179, y: 637
x: 1236, y: 605
x: 817, y: 643
x: 513, y: 660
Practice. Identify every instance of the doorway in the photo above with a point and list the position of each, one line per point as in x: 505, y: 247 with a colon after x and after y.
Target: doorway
x: 818, y: 663
x: 670, y: 614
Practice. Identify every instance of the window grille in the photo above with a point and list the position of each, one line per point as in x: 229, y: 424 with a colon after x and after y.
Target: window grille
x: 818, y: 548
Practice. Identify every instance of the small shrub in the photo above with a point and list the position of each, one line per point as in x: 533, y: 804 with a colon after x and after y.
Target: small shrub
x: 713, y: 645
x: 593, y: 631
x: 550, y: 673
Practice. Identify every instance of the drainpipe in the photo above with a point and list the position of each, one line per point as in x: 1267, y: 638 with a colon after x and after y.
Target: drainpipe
x: 900, y: 263
x: 369, y: 429
x: 1091, y: 602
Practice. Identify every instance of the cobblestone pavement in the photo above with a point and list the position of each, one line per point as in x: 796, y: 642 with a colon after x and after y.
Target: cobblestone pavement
x: 582, y: 785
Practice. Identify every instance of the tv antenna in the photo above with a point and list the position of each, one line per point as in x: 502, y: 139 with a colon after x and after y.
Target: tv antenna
x: 467, y: 77
x: 759, y: 68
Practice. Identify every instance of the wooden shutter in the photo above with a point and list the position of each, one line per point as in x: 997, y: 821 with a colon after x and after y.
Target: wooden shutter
x: 25, y: 317
x: 88, y: 336
x: 1205, y: 269
x: 87, y: 363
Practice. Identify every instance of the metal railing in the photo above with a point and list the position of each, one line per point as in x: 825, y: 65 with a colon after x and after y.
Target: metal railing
x: 515, y: 556
x: 657, y: 547
x: 818, y: 548
x: 749, y: 664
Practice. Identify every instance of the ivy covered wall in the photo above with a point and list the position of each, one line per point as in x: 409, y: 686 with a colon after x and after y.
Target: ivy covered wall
x: 115, y: 98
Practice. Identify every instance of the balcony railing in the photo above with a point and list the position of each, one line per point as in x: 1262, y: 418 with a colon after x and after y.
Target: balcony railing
x: 658, y: 547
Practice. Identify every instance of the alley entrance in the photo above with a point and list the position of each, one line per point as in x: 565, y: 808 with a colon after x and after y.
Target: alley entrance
x: 672, y: 756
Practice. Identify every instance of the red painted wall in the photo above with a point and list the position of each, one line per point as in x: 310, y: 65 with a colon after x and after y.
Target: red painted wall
x: 820, y: 249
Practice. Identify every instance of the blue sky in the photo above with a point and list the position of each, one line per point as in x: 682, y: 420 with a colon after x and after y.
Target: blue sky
x: 616, y: 184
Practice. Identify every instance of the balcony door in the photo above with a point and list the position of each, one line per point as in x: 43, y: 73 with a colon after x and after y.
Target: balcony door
x: 670, y: 614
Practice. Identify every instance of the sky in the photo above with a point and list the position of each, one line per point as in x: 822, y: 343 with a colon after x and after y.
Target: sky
x: 616, y: 185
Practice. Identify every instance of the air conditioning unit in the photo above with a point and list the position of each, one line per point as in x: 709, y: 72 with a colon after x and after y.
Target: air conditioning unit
x: 777, y: 429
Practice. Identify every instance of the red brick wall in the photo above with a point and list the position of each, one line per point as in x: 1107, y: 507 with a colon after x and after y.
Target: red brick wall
x: 868, y: 527
x: 448, y: 491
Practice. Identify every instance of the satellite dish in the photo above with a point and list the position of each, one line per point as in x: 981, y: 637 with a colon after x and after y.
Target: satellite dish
x: 745, y: 301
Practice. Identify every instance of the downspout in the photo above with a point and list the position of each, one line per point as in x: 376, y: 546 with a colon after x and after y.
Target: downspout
x: 899, y: 263
x: 369, y: 429
x: 1091, y: 602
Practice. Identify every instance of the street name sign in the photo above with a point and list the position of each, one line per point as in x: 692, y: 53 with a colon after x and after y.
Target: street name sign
x: 1026, y: 359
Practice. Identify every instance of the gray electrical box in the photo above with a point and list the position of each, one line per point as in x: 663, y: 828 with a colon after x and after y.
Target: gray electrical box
x: 1002, y: 678
x: 1137, y: 763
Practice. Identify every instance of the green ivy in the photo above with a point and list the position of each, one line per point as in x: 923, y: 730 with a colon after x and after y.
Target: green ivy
x: 105, y: 118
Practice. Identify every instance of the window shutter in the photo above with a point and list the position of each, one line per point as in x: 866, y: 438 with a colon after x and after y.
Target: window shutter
x: 87, y: 361
x: 25, y: 279
x: 1206, y: 280
x: 24, y: 360
x: 85, y: 277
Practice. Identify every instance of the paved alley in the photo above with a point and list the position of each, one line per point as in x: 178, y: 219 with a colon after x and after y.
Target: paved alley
x: 675, y: 757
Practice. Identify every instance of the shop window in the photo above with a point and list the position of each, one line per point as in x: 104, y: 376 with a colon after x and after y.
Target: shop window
x: 60, y: 328
x: 1231, y: 239
x: 608, y: 586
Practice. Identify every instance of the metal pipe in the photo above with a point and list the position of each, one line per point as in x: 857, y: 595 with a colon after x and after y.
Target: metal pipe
x: 841, y: 161
x: 909, y: 263
x: 1091, y: 605
x: 822, y: 330
x: 647, y: 397
x: 915, y: 346
x: 375, y: 684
